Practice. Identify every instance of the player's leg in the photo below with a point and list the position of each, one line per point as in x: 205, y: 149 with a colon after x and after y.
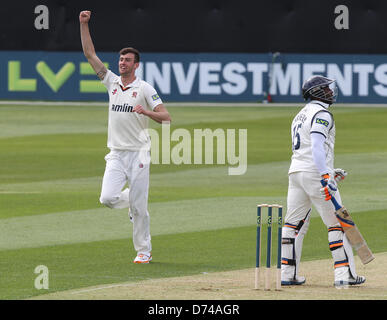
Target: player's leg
x: 114, y: 180
x: 354, y: 279
x: 139, y: 186
x: 296, y: 220
x: 303, y: 227
x: 341, y: 250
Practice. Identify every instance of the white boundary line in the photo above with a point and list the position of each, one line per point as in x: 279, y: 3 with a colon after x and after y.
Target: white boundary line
x: 187, y: 104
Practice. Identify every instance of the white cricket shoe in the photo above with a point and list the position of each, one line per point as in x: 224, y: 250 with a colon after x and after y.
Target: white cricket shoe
x: 355, y: 281
x: 342, y: 277
x: 299, y: 280
x: 143, y: 258
x: 130, y: 216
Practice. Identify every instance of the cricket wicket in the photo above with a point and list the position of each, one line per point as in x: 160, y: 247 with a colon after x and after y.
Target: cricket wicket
x: 268, y: 248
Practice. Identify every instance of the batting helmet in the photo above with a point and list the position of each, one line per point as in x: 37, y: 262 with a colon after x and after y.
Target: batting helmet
x: 320, y: 88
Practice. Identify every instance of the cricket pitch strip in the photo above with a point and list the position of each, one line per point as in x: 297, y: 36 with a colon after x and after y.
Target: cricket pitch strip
x: 239, y: 285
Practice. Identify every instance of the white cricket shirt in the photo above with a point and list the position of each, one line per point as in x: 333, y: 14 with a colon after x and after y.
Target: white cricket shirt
x: 314, y: 117
x: 127, y: 130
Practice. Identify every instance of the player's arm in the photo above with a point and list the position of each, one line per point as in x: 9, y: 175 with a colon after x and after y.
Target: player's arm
x: 156, y: 109
x: 319, y: 158
x: 159, y: 114
x: 322, y: 123
x: 318, y: 152
x: 88, y: 46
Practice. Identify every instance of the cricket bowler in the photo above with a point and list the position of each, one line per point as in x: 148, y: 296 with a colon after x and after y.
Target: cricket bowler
x: 132, y: 102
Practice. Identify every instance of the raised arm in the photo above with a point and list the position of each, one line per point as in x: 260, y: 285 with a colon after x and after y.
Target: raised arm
x: 88, y: 46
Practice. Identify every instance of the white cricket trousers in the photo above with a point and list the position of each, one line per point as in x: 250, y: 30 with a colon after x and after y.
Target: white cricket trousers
x: 132, y: 167
x: 303, y: 193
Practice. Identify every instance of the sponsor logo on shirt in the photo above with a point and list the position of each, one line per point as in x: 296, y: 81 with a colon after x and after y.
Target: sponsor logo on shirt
x: 322, y: 121
x: 122, y: 108
x: 155, y: 97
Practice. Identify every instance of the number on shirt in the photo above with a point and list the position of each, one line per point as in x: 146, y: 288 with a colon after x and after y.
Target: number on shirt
x: 296, y: 140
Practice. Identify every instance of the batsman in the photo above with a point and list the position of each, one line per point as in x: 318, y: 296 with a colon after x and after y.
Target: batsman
x: 312, y: 164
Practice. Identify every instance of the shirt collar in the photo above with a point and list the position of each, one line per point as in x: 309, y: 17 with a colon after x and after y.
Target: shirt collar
x: 135, y: 83
x: 323, y: 104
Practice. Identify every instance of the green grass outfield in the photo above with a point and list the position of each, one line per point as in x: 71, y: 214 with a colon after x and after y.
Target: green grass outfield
x: 202, y: 219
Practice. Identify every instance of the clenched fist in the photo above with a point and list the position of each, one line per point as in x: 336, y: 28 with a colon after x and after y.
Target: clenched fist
x: 140, y: 109
x: 84, y: 16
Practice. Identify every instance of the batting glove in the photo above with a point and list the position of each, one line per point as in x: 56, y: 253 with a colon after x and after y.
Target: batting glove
x: 330, y: 187
x: 340, y: 174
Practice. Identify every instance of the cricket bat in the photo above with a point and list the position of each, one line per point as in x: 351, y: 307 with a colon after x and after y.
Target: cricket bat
x: 351, y: 231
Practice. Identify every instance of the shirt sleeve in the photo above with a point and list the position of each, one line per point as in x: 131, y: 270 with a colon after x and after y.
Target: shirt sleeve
x: 110, y: 77
x: 151, y: 96
x: 321, y: 124
x: 318, y: 152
